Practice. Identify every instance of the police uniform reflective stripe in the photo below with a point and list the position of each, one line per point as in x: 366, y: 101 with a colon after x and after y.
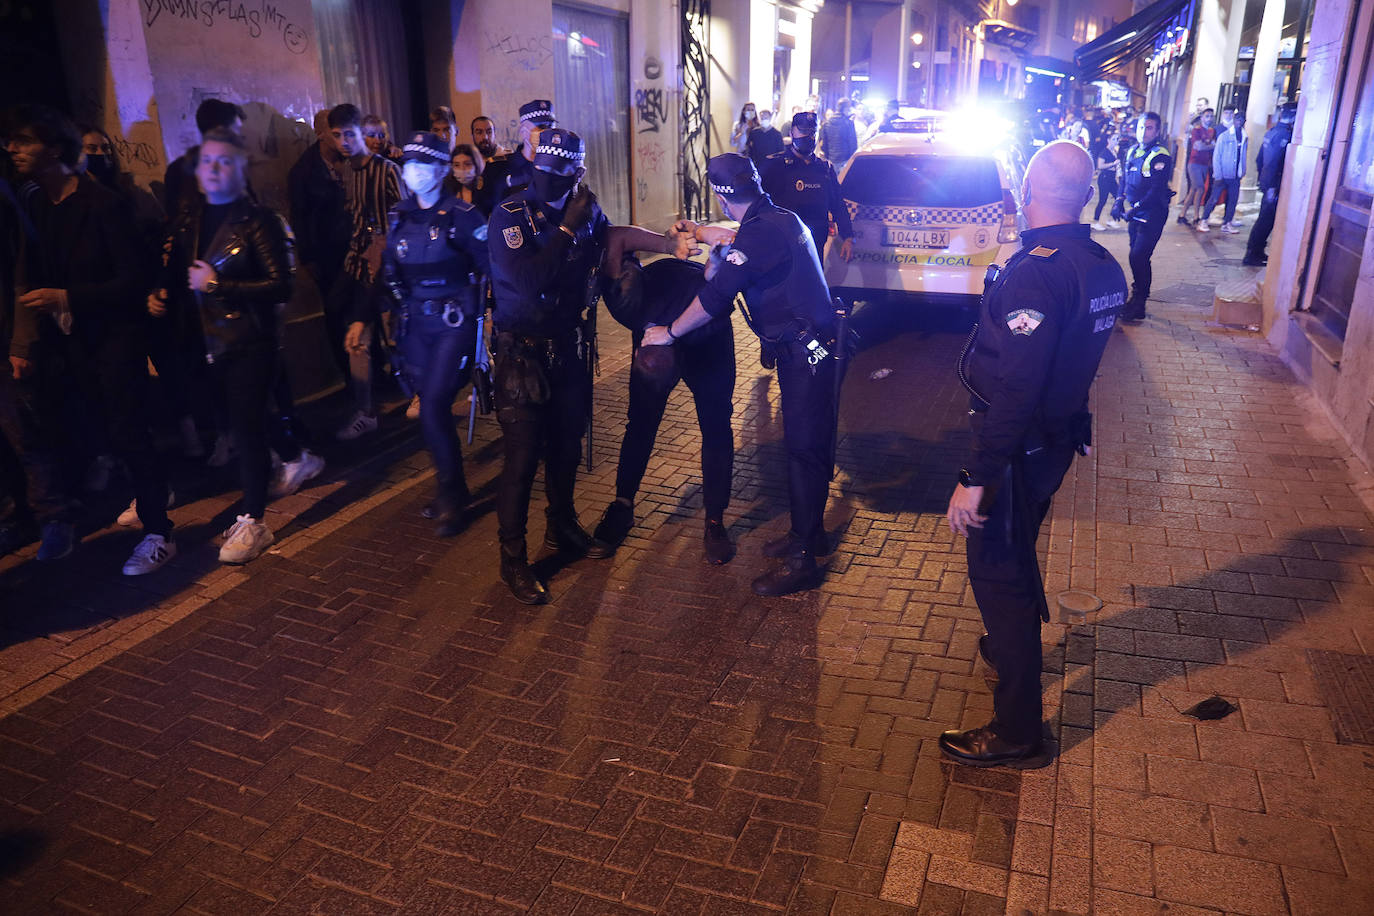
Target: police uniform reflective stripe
x: 1148, y: 172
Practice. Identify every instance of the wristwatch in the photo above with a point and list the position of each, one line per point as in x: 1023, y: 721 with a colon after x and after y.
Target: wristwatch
x: 966, y: 479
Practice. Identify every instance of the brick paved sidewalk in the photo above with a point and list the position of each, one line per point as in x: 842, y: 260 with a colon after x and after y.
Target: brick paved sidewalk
x: 368, y: 723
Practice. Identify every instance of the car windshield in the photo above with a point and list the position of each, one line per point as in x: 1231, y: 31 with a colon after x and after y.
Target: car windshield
x: 923, y: 181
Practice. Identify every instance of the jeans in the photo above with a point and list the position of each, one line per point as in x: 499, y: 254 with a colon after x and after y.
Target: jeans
x: 1106, y: 187
x: 1229, y: 186
x: 707, y: 365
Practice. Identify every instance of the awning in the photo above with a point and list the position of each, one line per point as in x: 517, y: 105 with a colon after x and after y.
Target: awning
x: 1129, y: 40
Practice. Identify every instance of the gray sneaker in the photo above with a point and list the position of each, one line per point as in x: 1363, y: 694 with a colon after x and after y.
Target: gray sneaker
x: 245, y: 541
x: 294, y: 474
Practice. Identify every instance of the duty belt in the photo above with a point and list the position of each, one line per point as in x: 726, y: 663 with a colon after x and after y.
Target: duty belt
x: 449, y: 309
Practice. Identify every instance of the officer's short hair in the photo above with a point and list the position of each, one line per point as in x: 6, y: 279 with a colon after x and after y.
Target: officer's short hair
x: 216, y: 113
x: 52, y: 128
x: 1153, y: 116
x: 345, y: 115
x: 443, y: 113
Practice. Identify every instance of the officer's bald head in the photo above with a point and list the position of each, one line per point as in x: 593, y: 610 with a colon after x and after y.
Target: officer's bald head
x: 1058, y: 184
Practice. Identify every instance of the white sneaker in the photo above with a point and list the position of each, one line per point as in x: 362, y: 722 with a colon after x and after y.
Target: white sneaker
x: 413, y: 411
x: 1099, y: 227
x: 129, y: 517
x: 151, y: 554
x: 295, y: 473
x: 245, y: 541
x: 1113, y: 224
x: 224, y: 451
x: 360, y: 425
x: 1202, y: 226
x: 1229, y: 228
x: 1236, y: 224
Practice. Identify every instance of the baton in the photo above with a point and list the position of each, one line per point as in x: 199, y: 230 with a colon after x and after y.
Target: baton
x: 841, y: 365
x: 481, y: 363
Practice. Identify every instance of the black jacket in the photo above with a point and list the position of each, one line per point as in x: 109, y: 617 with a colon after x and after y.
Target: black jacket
x: 1273, y: 150
x: 254, y: 257
x: 319, y: 213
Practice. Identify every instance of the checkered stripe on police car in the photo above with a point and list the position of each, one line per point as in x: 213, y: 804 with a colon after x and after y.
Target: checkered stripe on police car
x: 988, y: 214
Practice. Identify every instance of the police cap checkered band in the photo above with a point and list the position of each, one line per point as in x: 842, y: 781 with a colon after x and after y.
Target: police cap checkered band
x: 559, y: 149
x: 540, y: 111
x: 426, y: 147
x: 731, y: 174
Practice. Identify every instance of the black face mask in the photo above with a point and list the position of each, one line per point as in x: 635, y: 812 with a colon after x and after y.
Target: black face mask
x: 99, y: 167
x: 550, y: 187
x: 804, y: 146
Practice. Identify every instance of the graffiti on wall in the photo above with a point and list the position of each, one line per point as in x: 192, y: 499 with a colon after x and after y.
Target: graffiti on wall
x: 256, y: 18
x: 525, y: 52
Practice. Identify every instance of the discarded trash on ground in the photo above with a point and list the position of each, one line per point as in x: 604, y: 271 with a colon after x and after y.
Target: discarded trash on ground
x: 1211, y: 708
x: 877, y: 374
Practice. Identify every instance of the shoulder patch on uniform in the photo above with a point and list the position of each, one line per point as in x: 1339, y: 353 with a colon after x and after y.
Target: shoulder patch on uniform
x: 1024, y: 321
x: 1040, y: 251
x: 480, y: 233
x: 512, y: 206
x: 513, y: 236
x: 736, y: 257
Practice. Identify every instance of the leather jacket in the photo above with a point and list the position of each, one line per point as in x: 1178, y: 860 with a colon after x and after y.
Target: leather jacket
x: 253, y: 254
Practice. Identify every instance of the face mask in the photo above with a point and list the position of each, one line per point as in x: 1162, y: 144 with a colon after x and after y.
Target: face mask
x: 465, y: 175
x: 749, y: 113
x: 804, y: 146
x: 99, y: 167
x: 550, y: 187
x: 766, y: 122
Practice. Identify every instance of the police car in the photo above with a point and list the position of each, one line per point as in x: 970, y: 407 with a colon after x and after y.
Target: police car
x: 933, y: 202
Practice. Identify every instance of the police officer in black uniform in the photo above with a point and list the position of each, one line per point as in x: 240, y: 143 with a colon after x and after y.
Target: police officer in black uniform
x: 510, y: 172
x: 436, y: 250
x: 658, y: 293
x: 547, y: 241
x: 1044, y: 323
x: 1144, y: 203
x: 1269, y: 165
x: 799, y: 180
x: 773, y: 262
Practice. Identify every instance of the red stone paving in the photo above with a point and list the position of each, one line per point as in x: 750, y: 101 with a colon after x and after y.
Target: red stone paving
x: 367, y: 722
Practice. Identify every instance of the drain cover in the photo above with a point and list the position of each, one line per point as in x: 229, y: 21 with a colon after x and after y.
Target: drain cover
x: 1346, y: 684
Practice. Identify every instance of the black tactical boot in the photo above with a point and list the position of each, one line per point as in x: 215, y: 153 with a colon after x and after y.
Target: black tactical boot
x: 449, y: 507
x: 565, y: 535
x: 719, y: 548
x: 615, y: 524
x: 516, y: 573
x: 789, y: 543
x: 798, y: 573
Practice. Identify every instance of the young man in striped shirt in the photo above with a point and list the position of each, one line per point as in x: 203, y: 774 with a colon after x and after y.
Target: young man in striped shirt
x: 372, y: 186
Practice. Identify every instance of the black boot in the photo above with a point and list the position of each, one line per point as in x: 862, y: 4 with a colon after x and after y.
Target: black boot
x: 615, y: 524
x: 1133, y: 310
x: 798, y: 573
x: 450, y: 506
x: 516, y: 573
x: 790, y: 542
x: 565, y: 535
x: 719, y: 548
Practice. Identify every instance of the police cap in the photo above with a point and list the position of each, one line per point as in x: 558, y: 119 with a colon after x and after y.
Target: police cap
x: 538, y: 112
x: 733, y: 175
x: 804, y: 121
x: 559, y: 151
x: 1288, y: 112
x: 427, y: 147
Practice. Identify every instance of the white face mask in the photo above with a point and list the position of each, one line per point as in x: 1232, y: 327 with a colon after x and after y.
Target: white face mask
x: 465, y: 175
x: 766, y: 122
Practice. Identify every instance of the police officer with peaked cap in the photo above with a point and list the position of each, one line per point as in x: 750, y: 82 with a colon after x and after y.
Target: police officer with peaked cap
x: 436, y: 251
x: 799, y: 180
x: 509, y: 172
x: 773, y: 262
x: 1144, y: 203
x: 1043, y: 325
x: 546, y: 241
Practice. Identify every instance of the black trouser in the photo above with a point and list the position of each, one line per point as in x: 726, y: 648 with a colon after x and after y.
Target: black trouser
x: 1004, y: 570
x: 438, y: 362
x: 246, y: 377
x: 1144, y: 237
x: 1106, y: 187
x: 1264, y: 224
x: 532, y: 429
x: 707, y: 365
x: 31, y: 414
x: 808, y: 431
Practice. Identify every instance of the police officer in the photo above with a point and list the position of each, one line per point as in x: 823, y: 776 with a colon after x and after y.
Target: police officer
x: 1269, y: 165
x: 1145, y: 204
x: 507, y: 173
x: 1045, y: 321
x: 773, y: 262
x: 799, y: 180
x: 436, y: 248
x: 704, y: 358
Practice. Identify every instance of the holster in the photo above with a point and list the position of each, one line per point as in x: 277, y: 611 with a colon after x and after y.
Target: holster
x: 522, y: 378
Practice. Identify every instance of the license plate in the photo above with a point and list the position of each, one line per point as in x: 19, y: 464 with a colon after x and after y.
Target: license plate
x: 915, y: 238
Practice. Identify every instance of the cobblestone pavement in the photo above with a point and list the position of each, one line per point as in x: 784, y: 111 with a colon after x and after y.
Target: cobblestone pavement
x: 364, y: 721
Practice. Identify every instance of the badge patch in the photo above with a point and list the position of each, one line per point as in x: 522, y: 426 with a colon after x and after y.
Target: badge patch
x: 513, y: 237
x: 401, y: 249
x: 433, y: 233
x: 736, y: 257
x: 1024, y: 321
x: 801, y: 185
